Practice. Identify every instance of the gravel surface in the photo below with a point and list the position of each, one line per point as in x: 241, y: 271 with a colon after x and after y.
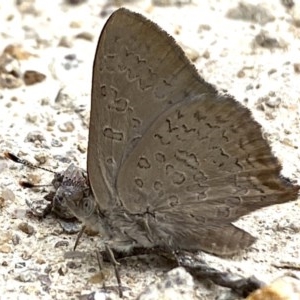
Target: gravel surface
x: 251, y: 52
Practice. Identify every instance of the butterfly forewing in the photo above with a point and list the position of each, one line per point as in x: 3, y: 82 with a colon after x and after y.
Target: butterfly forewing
x: 139, y: 72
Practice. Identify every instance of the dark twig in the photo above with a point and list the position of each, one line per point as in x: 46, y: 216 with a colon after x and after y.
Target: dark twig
x: 201, y: 270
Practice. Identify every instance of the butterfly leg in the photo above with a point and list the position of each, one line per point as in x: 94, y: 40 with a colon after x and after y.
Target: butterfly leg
x: 115, y: 264
x: 79, y: 235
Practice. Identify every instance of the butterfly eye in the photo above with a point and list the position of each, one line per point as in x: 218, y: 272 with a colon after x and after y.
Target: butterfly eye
x: 87, y: 206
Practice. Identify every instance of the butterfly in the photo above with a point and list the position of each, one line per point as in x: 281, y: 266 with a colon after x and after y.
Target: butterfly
x: 171, y: 162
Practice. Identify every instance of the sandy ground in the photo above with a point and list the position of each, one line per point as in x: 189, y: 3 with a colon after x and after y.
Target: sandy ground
x: 257, y: 61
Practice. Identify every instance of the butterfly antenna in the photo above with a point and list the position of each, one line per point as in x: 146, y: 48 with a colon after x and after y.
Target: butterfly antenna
x: 26, y: 163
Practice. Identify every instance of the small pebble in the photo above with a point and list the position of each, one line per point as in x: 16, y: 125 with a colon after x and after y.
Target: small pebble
x: 62, y: 159
x: 26, y: 255
x: 75, y: 24
x: 62, y: 271
x: 75, y: 2
x: 65, y: 42
x: 32, y: 117
x: 17, y: 52
x: 272, y: 71
x: 9, y: 81
x: 99, y: 277
x: 2, y: 202
x: 73, y: 254
x: 31, y: 77
x: 70, y: 57
x: 61, y: 244
x: 20, y: 265
x: 56, y: 143
x: 40, y: 261
x: 251, y: 12
x: 26, y: 276
x: 170, y: 2
x: 67, y: 127
x: 41, y: 158
x: 9, y: 65
x: 15, y: 239
x: 85, y: 36
x: 241, y: 74
x: 296, y: 14
x: 8, y: 194
x: 288, y: 3
x: 177, y: 284
x: 297, y: 68
x: 265, y: 40
x: 73, y: 265
x: 71, y: 227
x: 273, y: 102
x: 26, y: 228
x: 284, y: 288
x: 204, y: 27
x: 82, y: 147
x: 5, y: 248
x: 45, y: 101
x: 206, y: 54
x: 34, y: 136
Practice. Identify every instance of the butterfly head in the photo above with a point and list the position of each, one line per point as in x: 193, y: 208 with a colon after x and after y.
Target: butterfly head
x: 75, y: 194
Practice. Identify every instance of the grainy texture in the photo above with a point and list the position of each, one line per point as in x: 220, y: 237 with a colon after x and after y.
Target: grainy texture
x: 38, y: 124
